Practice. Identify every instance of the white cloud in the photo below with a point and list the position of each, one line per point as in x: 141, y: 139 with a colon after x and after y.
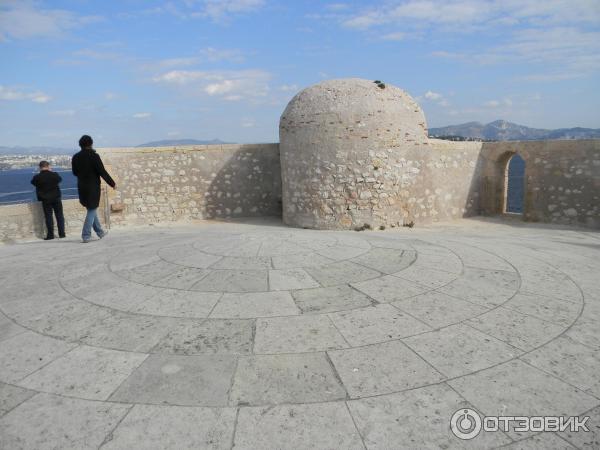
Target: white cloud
x: 429, y: 95
x: 492, y: 103
x: 560, y: 34
x: 25, y: 19
x: 222, y: 87
x: 142, y: 115
x: 230, y: 85
x: 436, y: 98
x: 39, y: 97
x: 8, y: 93
x: 110, y: 96
x: 364, y: 21
x: 475, y: 14
x: 219, y: 9
x: 562, y: 52
x: 396, y: 36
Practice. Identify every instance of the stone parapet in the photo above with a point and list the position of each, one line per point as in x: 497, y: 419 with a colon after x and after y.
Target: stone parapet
x: 193, y: 182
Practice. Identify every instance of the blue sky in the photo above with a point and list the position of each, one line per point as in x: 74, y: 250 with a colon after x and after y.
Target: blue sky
x: 132, y: 71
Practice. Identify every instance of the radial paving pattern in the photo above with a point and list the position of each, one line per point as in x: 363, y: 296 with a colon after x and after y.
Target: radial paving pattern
x: 269, y: 337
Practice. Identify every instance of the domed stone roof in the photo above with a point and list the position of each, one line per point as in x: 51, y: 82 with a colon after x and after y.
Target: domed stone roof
x: 357, y: 107
x: 342, y: 144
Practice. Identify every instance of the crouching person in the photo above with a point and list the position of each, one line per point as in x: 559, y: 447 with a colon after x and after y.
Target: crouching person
x: 88, y: 168
x: 48, y: 192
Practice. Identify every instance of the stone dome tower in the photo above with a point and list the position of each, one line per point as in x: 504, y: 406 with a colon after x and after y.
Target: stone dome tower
x: 344, y: 146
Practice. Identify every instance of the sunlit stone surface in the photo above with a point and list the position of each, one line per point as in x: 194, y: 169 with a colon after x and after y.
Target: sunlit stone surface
x: 256, y: 335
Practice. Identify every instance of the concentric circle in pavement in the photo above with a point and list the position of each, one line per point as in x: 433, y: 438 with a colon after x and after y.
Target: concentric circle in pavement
x: 317, y: 339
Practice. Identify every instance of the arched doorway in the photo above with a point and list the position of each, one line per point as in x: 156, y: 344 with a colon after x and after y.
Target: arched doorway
x: 515, y: 185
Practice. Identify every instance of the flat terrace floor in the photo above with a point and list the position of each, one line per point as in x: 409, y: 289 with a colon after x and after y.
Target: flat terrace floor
x: 258, y: 336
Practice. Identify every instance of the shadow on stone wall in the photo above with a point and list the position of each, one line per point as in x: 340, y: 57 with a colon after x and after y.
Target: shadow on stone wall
x: 37, y: 219
x: 486, y: 191
x: 248, y: 185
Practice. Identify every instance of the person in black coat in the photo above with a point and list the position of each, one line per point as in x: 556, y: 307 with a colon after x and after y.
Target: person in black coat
x: 88, y: 168
x: 48, y: 192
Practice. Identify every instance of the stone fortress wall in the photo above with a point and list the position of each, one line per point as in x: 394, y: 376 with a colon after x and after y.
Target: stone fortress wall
x: 562, y: 180
x: 384, y: 173
x: 26, y: 220
x: 193, y: 182
x: 356, y: 152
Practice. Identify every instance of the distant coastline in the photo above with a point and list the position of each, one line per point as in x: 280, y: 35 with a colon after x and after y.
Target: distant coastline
x: 16, y: 162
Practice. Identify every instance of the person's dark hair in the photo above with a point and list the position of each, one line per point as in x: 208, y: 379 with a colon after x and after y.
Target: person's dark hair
x: 44, y: 164
x: 86, y: 141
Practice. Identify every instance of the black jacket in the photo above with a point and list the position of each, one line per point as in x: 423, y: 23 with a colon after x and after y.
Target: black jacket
x: 88, y: 168
x: 46, y: 186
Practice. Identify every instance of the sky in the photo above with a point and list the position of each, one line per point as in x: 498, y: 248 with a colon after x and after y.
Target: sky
x: 134, y: 71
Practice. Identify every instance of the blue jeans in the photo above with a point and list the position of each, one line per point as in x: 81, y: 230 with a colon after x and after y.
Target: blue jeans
x: 91, y: 220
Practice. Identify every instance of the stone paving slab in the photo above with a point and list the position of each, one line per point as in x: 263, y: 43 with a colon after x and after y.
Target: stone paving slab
x: 437, y: 309
x: 85, y: 372
x: 459, y: 350
x: 183, y: 278
x: 382, y: 369
x: 297, y: 335
x: 251, y: 305
x: 178, y: 303
x: 341, y: 273
x: 570, y: 361
x: 517, y: 329
x: 8, y: 328
x: 27, y: 352
x: 549, y: 309
x: 588, y: 440
x: 331, y: 299
x: 234, y: 281
x: 54, y: 422
x: 132, y: 332
x: 201, y: 380
x: 374, y: 324
x: 264, y: 336
x: 291, y: 279
x: 488, y: 288
x: 208, y: 336
x: 12, y: 396
x: 385, y: 260
x: 416, y: 418
x: 388, y: 288
x: 523, y: 388
x: 301, y: 427
x: 174, y: 427
x: 273, y: 379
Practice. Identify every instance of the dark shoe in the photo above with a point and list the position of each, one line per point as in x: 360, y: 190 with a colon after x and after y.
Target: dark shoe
x: 62, y: 236
x: 48, y: 238
x: 104, y: 233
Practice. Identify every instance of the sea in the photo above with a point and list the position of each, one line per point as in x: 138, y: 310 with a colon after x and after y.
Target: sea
x: 16, y: 187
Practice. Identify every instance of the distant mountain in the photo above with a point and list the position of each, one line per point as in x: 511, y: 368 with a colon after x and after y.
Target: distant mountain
x: 173, y: 142
x: 501, y: 130
x: 40, y: 150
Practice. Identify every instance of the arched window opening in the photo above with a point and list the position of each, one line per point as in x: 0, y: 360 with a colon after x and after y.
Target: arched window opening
x: 515, y: 185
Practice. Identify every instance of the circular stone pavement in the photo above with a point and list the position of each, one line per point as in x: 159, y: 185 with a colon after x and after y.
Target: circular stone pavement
x: 262, y: 336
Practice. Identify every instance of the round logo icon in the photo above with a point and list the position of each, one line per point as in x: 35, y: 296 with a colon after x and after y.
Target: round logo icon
x: 465, y: 424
